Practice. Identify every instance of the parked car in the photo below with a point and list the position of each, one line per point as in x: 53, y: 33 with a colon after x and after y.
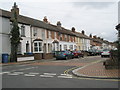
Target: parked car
x: 77, y: 54
x: 98, y: 52
x: 91, y: 52
x: 64, y: 55
x: 105, y: 53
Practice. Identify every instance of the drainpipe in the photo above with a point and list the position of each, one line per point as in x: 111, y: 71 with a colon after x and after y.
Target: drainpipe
x: 31, y: 38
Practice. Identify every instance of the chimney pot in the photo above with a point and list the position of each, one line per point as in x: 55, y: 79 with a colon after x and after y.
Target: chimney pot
x: 59, y: 24
x: 73, y: 29
x: 94, y: 37
x: 45, y: 19
x: 83, y: 32
x: 90, y: 36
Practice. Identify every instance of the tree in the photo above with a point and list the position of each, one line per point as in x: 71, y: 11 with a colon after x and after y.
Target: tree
x: 15, y: 36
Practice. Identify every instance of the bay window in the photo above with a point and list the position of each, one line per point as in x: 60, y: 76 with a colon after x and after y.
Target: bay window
x: 37, y: 46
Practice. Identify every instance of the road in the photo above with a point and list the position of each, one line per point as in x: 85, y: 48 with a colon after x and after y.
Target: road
x: 51, y: 75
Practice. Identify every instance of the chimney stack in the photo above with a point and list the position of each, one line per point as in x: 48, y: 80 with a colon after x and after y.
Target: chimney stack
x: 98, y: 37
x: 73, y: 29
x: 45, y: 19
x: 102, y: 39
x: 90, y: 35
x: 83, y: 32
x: 94, y: 36
x: 14, y: 9
x: 59, y: 24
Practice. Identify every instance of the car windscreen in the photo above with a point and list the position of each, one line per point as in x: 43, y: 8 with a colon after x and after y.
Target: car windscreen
x: 61, y: 52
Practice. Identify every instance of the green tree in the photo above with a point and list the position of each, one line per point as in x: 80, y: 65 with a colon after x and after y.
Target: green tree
x: 15, y: 36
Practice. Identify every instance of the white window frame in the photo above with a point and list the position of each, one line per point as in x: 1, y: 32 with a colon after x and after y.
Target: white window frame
x: 22, y: 31
x: 65, y: 47
x: 65, y: 37
x: 43, y: 34
x: 38, y: 47
x: 35, y: 31
x: 49, y: 34
x: 55, y: 34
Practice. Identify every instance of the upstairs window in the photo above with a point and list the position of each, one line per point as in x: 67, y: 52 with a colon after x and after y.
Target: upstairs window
x: 60, y: 37
x: 43, y: 34
x: 65, y: 37
x: 35, y: 32
x: 22, y: 31
x: 55, y: 35
x: 49, y: 33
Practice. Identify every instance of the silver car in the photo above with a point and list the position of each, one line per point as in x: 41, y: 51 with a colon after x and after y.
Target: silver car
x: 105, y: 53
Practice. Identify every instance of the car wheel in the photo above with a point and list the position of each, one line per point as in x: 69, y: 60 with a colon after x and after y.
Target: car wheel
x: 66, y: 57
x: 78, y: 56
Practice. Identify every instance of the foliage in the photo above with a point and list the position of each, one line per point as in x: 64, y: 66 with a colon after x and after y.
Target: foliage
x: 15, y: 38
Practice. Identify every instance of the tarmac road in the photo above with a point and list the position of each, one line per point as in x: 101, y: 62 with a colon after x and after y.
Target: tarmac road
x: 48, y: 76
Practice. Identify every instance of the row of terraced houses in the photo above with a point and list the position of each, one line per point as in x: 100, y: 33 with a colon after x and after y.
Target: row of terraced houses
x: 43, y: 38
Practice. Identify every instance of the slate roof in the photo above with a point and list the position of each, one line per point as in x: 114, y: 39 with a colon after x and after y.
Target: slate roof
x: 29, y: 21
x: 81, y: 35
x: 37, y: 23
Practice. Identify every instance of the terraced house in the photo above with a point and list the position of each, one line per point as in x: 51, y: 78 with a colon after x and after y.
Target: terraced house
x: 40, y: 37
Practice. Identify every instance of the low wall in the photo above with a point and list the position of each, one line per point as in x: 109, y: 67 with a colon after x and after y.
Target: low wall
x: 38, y: 56
x: 47, y: 55
x: 25, y: 58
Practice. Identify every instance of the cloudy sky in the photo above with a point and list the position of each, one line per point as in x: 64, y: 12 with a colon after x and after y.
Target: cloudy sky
x: 96, y: 17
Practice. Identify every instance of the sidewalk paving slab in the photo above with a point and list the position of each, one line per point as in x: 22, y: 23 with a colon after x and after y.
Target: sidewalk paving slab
x: 26, y: 62
x: 97, y: 70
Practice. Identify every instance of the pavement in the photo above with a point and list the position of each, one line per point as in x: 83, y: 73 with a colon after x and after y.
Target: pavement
x: 97, y: 70
x: 27, y: 62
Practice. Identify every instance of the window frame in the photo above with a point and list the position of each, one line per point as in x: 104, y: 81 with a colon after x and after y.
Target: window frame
x: 38, y: 46
x: 22, y: 30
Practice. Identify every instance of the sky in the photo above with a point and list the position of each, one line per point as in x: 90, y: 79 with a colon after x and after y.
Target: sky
x: 96, y: 17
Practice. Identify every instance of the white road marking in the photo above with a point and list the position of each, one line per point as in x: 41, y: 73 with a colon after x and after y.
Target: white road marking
x: 18, y: 72
x: 65, y: 77
x: 13, y: 74
x: 33, y: 73
x: 63, y: 74
x: 4, y: 72
x: 27, y: 68
x: 29, y: 75
x: 46, y: 76
x: 49, y: 73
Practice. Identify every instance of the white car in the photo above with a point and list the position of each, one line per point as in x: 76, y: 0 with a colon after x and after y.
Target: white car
x: 105, y: 53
